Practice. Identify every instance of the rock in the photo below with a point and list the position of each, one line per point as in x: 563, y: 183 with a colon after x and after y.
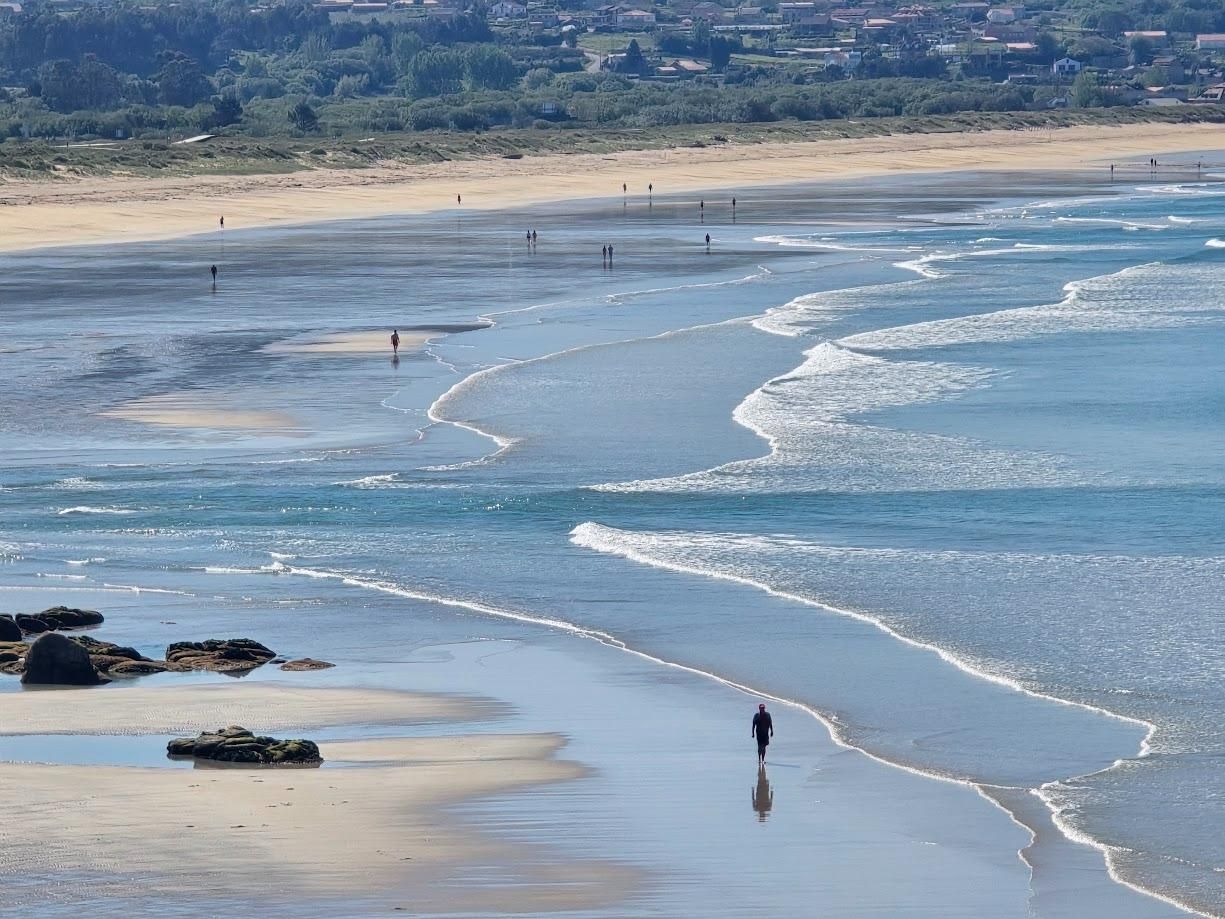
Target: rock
x: 66, y: 617
x: 9, y: 629
x: 306, y: 663
x: 57, y: 618
x: 139, y: 668
x: 220, y: 655
x: 236, y: 744
x: 56, y: 660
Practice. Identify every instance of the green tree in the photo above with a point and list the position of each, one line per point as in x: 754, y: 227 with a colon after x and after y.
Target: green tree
x: 226, y: 110
x: 701, y: 36
x: 538, y: 78
x: 720, y: 53
x: 1086, y: 93
x: 436, y: 73
x: 634, y: 60
x: 1047, y: 48
x: 303, y: 118
x: 404, y: 47
x: 101, y: 86
x: 1140, y: 50
x: 181, y: 81
x: 489, y: 67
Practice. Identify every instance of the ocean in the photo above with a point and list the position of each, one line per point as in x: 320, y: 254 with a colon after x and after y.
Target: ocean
x: 936, y: 462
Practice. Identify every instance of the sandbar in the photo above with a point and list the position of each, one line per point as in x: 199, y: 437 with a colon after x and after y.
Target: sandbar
x: 185, y: 410
x: 349, y: 343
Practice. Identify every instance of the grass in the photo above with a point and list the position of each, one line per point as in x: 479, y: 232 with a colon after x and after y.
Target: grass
x: 249, y: 156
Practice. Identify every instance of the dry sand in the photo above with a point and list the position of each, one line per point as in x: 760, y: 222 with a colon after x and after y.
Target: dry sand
x: 368, y: 826
x: 126, y: 209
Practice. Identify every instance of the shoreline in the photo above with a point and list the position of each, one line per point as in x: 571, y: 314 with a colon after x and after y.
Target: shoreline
x: 108, y: 211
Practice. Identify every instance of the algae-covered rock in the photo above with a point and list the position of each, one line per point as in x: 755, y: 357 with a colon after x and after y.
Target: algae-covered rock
x: 236, y: 744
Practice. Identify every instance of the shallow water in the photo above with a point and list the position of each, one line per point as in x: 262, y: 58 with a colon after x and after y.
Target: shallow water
x: 938, y: 464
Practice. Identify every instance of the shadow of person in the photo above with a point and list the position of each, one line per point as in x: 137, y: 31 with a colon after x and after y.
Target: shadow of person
x: 763, y: 795
x: 395, y: 360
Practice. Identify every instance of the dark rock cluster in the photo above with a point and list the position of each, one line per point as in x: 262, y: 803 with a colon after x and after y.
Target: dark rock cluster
x: 238, y: 745
x: 221, y: 656
x: 55, y: 619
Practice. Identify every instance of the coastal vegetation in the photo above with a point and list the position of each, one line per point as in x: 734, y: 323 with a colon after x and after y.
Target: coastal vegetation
x: 298, y: 84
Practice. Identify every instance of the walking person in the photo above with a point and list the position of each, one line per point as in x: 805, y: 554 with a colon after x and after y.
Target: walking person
x: 395, y: 342
x: 763, y: 730
x: 213, y: 270
x: 604, y: 256
x: 610, y: 255
x: 533, y: 239
x: 223, y: 221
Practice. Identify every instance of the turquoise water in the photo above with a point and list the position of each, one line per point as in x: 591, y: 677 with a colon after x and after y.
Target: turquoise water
x: 938, y: 462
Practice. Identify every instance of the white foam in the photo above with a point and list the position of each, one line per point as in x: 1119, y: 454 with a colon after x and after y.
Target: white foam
x: 84, y: 561
x: 87, y: 509
x: 78, y: 483
x: 1215, y: 244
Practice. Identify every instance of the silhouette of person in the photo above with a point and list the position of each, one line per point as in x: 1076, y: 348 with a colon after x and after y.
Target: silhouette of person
x: 763, y: 730
x: 733, y: 204
x: 604, y: 254
x: 213, y: 270
x: 529, y: 237
x: 701, y: 205
x: 763, y: 795
x: 533, y: 237
x: 610, y: 255
x: 707, y: 240
x: 624, y: 189
x: 395, y: 342
x: 651, y: 188
x: 223, y: 222
x: 459, y: 199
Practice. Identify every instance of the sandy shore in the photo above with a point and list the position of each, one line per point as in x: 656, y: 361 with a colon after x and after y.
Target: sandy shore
x: 130, y: 209
x: 244, y: 832
x: 349, y: 343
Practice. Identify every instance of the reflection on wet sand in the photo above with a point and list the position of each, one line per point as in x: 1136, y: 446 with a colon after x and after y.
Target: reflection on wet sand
x: 763, y: 795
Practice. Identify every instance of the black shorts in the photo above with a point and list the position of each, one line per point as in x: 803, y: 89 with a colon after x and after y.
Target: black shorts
x: 762, y: 743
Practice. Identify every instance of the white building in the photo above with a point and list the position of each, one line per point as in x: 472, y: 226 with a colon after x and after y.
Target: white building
x: 1066, y: 67
x: 1210, y: 42
x: 507, y: 9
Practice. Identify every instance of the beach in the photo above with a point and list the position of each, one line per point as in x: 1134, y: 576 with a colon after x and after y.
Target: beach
x: 922, y: 458
x: 84, y: 211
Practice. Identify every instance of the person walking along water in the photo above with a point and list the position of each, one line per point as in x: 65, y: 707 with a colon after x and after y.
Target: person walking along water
x: 763, y: 730
x: 395, y: 342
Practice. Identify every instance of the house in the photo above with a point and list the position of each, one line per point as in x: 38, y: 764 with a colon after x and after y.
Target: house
x: 1210, y: 42
x: 711, y: 12
x: 814, y: 24
x: 1002, y: 15
x: 1009, y: 33
x: 1213, y: 94
x: 635, y: 20
x: 1066, y: 67
x: 794, y: 12
x: 1172, y: 67
x: 507, y: 9
x: 750, y: 15
x: 605, y: 17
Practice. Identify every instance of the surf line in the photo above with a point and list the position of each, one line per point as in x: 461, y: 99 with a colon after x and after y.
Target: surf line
x: 505, y: 444
x: 827, y: 721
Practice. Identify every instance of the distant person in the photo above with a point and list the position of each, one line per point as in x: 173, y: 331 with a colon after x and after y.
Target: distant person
x: 533, y: 237
x: 624, y: 188
x: 707, y: 240
x: 213, y: 270
x: 651, y: 188
x: 763, y: 795
x: 459, y: 199
x: 763, y: 730
x: 701, y: 205
x: 733, y: 204
x: 223, y: 222
x: 395, y: 342
x: 610, y: 248
x: 529, y: 237
x: 604, y: 254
